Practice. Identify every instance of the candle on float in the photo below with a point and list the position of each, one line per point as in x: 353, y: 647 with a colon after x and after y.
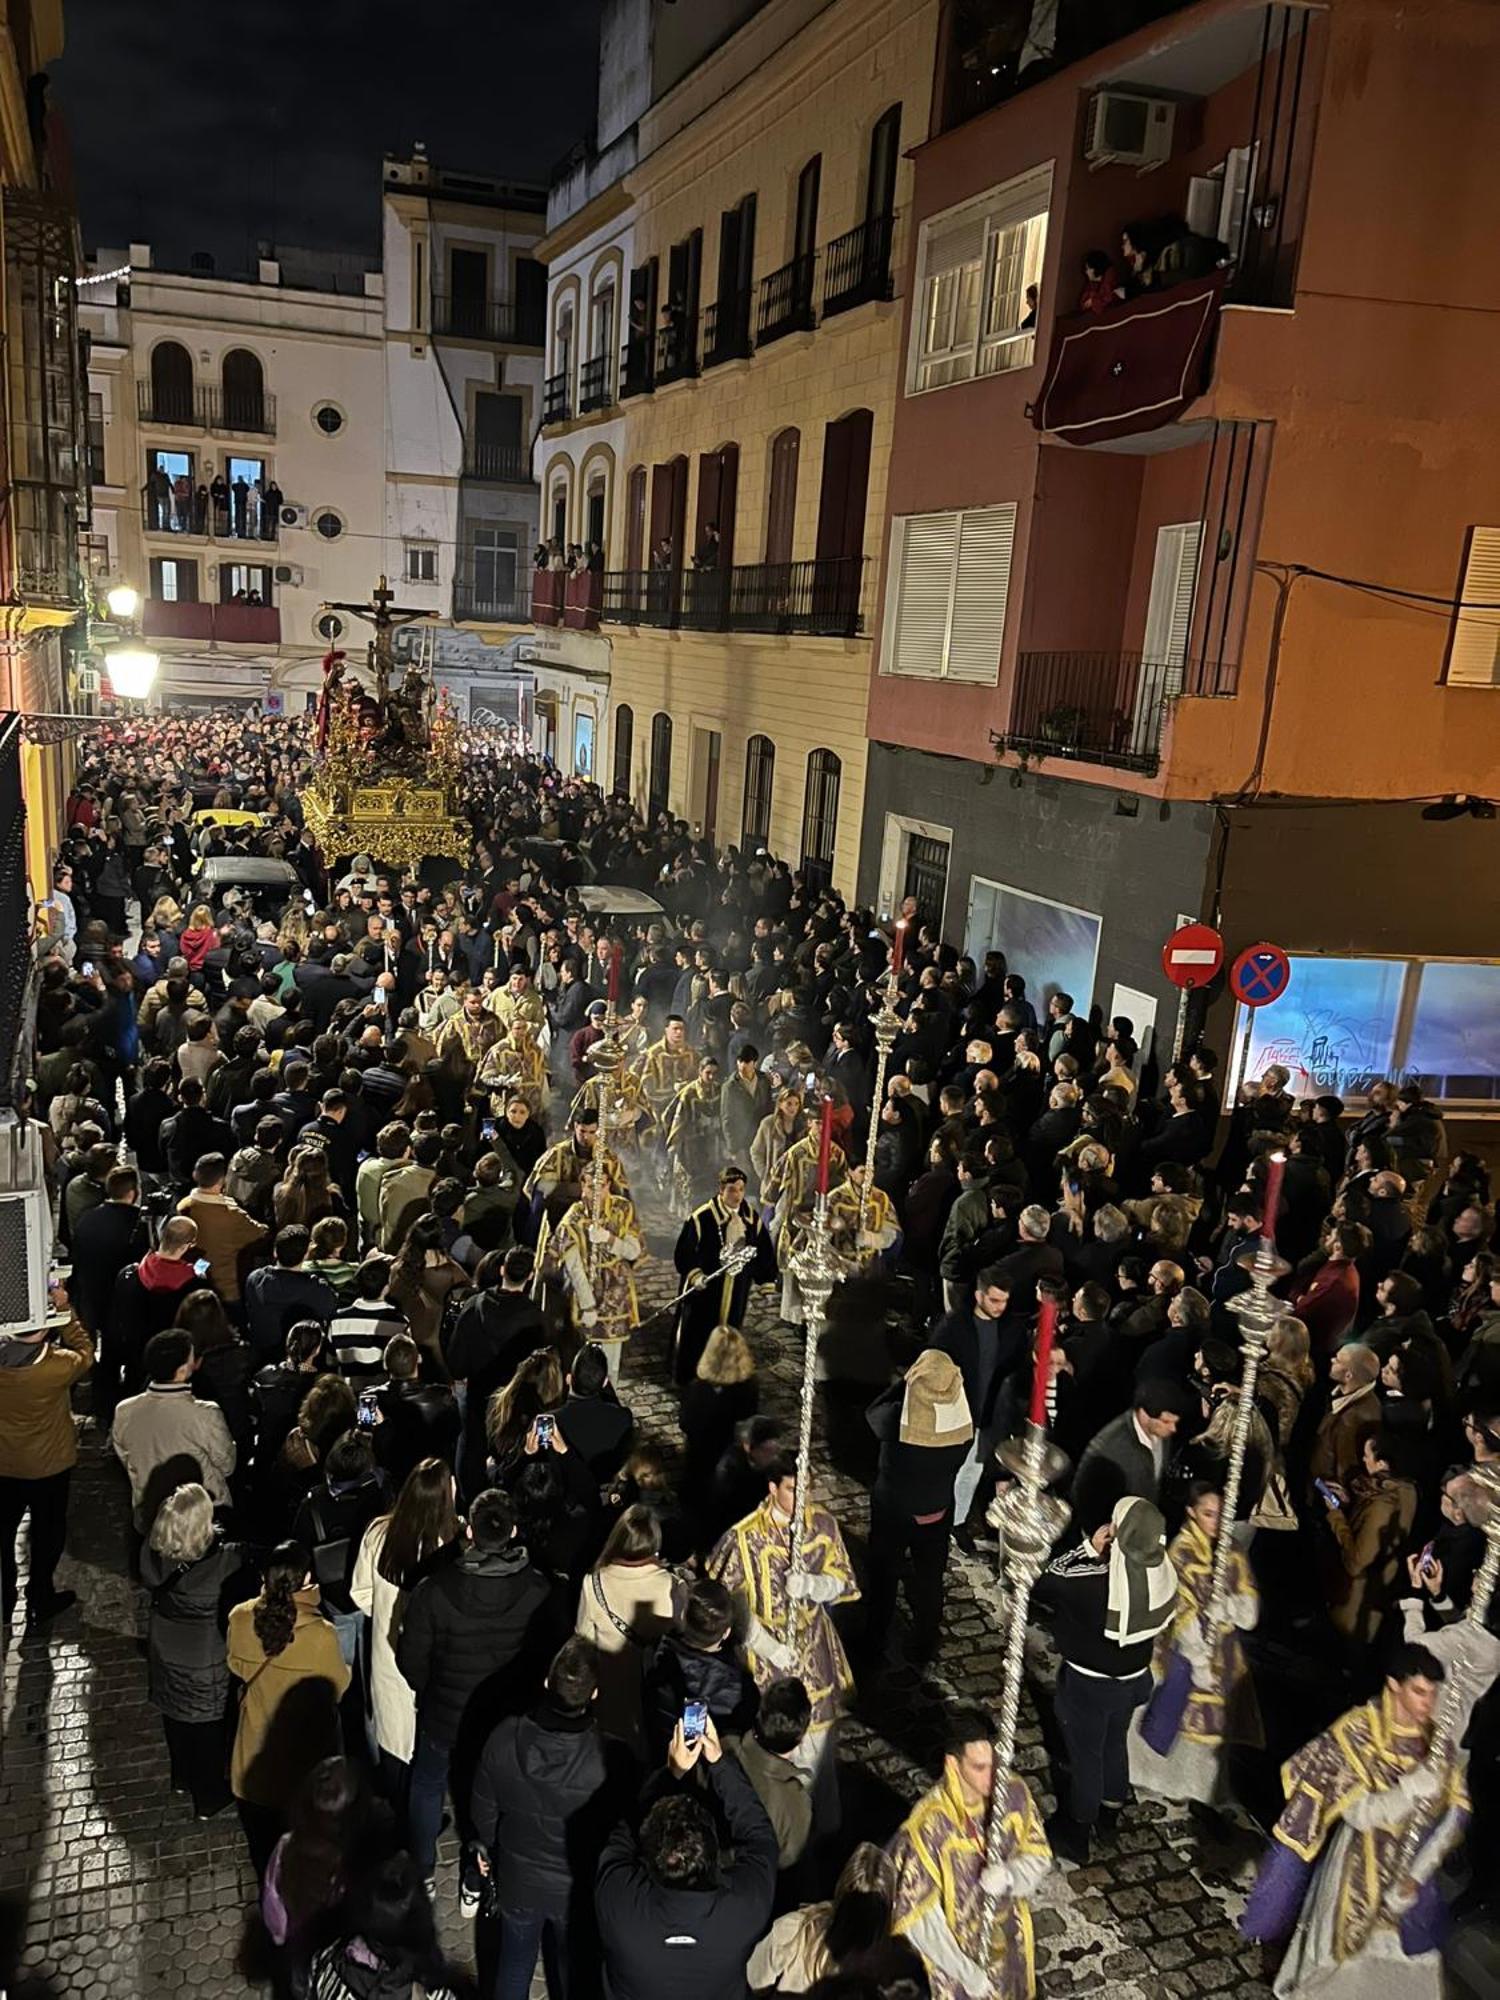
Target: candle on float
x: 1046, y: 1334
x: 898, y: 946
x: 1275, y: 1170
x: 616, y: 954
x: 825, y: 1145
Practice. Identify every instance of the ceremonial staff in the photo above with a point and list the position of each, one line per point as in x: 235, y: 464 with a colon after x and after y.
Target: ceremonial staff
x: 1475, y: 1619
x: 816, y: 1269
x: 886, y: 1023
x: 1030, y: 1519
x: 1259, y: 1315
x: 607, y: 1055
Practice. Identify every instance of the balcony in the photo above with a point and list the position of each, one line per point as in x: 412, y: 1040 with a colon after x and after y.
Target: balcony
x: 207, y: 409
x: 857, y: 266
x: 44, y: 525
x: 583, y: 596
x: 557, y: 403
x: 1095, y: 708
x: 1133, y: 367
x: 820, y: 598
x: 498, y: 464
x: 726, y: 329
x: 224, y: 624
x: 501, y: 322
x: 163, y: 519
x: 596, y: 391
x: 676, y: 347
x: 637, y: 369
x: 486, y: 601
x: 983, y: 43
x: 786, y: 300
x: 549, y: 590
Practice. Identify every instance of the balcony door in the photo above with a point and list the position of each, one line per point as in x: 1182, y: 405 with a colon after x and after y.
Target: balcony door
x: 468, y: 292
x: 635, y: 519
x: 845, y: 487
x: 708, y: 751
x: 1169, y: 624
x: 781, y: 511
x: 885, y: 153
x: 669, y: 484
x: 718, y: 483
x: 171, y: 383
x: 496, y: 452
x: 736, y: 276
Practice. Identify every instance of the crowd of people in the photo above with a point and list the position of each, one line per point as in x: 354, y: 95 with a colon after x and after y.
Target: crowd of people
x: 238, y: 508
x: 354, y: 1219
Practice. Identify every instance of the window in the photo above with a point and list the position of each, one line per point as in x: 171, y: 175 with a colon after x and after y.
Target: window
x: 328, y: 524
x: 495, y: 557
x: 635, y: 519
x: 596, y: 508
x: 329, y: 419
x: 1344, y: 1023
x: 945, y: 601
x: 244, y: 390
x: 820, y: 817
x: 421, y: 562
x: 624, y: 748
x: 659, y: 778
x: 557, y: 508
x: 781, y: 509
x: 244, y: 583
x: 1056, y: 943
x: 760, y: 778
x: 171, y: 383
x: 330, y: 627
x: 602, y: 321
x: 1474, y: 643
x: 976, y: 263
x: 174, y: 581
x: 96, y: 438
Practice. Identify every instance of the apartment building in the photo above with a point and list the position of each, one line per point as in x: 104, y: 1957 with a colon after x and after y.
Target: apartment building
x: 1188, y: 605
x: 718, y: 404
x: 237, y: 450
x: 45, y: 493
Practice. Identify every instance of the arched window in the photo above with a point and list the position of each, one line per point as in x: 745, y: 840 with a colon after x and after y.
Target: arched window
x: 659, y: 777
x: 760, y: 777
x: 624, y: 749
x: 244, y: 383
x: 820, y: 817
x: 558, y: 505
x: 171, y: 383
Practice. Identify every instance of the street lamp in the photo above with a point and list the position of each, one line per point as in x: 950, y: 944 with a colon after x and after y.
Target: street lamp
x: 124, y: 601
x: 132, y: 671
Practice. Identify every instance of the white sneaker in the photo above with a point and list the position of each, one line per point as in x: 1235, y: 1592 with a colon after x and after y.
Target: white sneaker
x: 468, y: 1900
x: 430, y: 1885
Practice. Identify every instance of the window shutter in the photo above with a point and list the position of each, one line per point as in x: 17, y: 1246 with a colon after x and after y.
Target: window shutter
x: 1174, y: 578
x: 924, y: 589
x: 1474, y: 649
x: 986, y: 539
x: 949, y: 249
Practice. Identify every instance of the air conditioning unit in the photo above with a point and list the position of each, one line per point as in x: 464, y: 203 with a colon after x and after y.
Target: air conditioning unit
x: 289, y: 573
x: 25, y: 1230
x: 1129, y: 129
x: 293, y: 517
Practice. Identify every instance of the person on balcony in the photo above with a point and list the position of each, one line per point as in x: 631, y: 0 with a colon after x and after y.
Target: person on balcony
x: 270, y: 510
x: 241, y: 494
x: 159, y: 497
x: 218, y: 492
x: 200, y: 508
x: 709, y: 547
x: 182, y: 503
x: 1101, y: 283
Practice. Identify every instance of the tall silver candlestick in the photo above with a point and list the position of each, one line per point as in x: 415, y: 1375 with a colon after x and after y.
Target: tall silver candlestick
x: 816, y: 1268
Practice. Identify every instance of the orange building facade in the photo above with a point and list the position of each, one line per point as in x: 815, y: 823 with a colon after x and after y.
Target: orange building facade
x: 1196, y: 583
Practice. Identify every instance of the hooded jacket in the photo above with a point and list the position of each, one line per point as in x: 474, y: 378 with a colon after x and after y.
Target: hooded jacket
x: 540, y: 1794
x: 925, y: 1431
x: 468, y: 1624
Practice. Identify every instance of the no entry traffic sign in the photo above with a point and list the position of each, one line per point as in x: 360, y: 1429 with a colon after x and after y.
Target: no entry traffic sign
x: 1191, y: 956
x: 1260, y: 974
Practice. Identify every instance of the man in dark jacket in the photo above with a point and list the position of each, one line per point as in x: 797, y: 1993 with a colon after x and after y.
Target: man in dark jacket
x: 674, y: 1922
x: 697, y: 1661
x: 331, y: 1523
x: 107, y: 1238
x: 494, y: 1332
x: 281, y: 1293
x: 988, y: 1342
x: 545, y: 1793
x: 1129, y: 1456
x: 418, y: 1419
x: 471, y: 1628
x: 144, y: 1302
x: 186, y: 1138
x: 1034, y: 1257
x: 594, y: 1422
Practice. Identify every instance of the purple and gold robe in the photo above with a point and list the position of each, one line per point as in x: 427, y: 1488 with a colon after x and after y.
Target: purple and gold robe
x: 751, y: 1560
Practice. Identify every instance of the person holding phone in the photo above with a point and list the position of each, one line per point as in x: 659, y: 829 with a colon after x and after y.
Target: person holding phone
x: 38, y: 1450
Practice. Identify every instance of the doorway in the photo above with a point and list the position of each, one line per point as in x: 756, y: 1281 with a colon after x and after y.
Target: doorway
x: 708, y: 749
x: 914, y: 858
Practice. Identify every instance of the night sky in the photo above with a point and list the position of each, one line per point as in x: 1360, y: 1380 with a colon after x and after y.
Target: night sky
x: 200, y: 126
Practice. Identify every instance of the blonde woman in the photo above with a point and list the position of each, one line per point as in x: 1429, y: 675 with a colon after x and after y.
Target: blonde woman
x: 624, y: 1607
x: 166, y: 915
x: 200, y: 937
x: 822, y: 1939
x: 186, y: 1565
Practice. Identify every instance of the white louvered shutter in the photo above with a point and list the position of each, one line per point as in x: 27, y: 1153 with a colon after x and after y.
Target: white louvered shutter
x: 1474, y: 649
x: 927, y: 546
x: 977, y: 630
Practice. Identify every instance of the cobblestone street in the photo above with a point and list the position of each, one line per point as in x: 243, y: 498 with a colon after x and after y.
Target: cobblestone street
x: 119, y: 1892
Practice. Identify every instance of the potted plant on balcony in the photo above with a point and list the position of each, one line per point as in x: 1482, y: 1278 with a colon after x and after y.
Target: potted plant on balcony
x: 1063, y: 726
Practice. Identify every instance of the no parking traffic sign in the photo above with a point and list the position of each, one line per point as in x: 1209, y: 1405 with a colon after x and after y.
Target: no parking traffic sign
x: 1260, y: 974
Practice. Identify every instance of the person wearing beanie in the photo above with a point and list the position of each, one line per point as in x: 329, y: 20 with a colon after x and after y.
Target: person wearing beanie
x: 925, y: 1430
x: 1108, y: 1598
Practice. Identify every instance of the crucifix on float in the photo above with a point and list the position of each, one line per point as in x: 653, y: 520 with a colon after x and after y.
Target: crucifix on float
x: 386, y: 615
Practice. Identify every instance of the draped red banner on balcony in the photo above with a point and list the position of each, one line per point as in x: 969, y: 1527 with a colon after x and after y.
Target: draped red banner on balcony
x: 1132, y: 368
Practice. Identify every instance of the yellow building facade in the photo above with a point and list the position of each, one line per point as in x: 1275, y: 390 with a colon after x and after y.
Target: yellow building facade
x: 735, y: 469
